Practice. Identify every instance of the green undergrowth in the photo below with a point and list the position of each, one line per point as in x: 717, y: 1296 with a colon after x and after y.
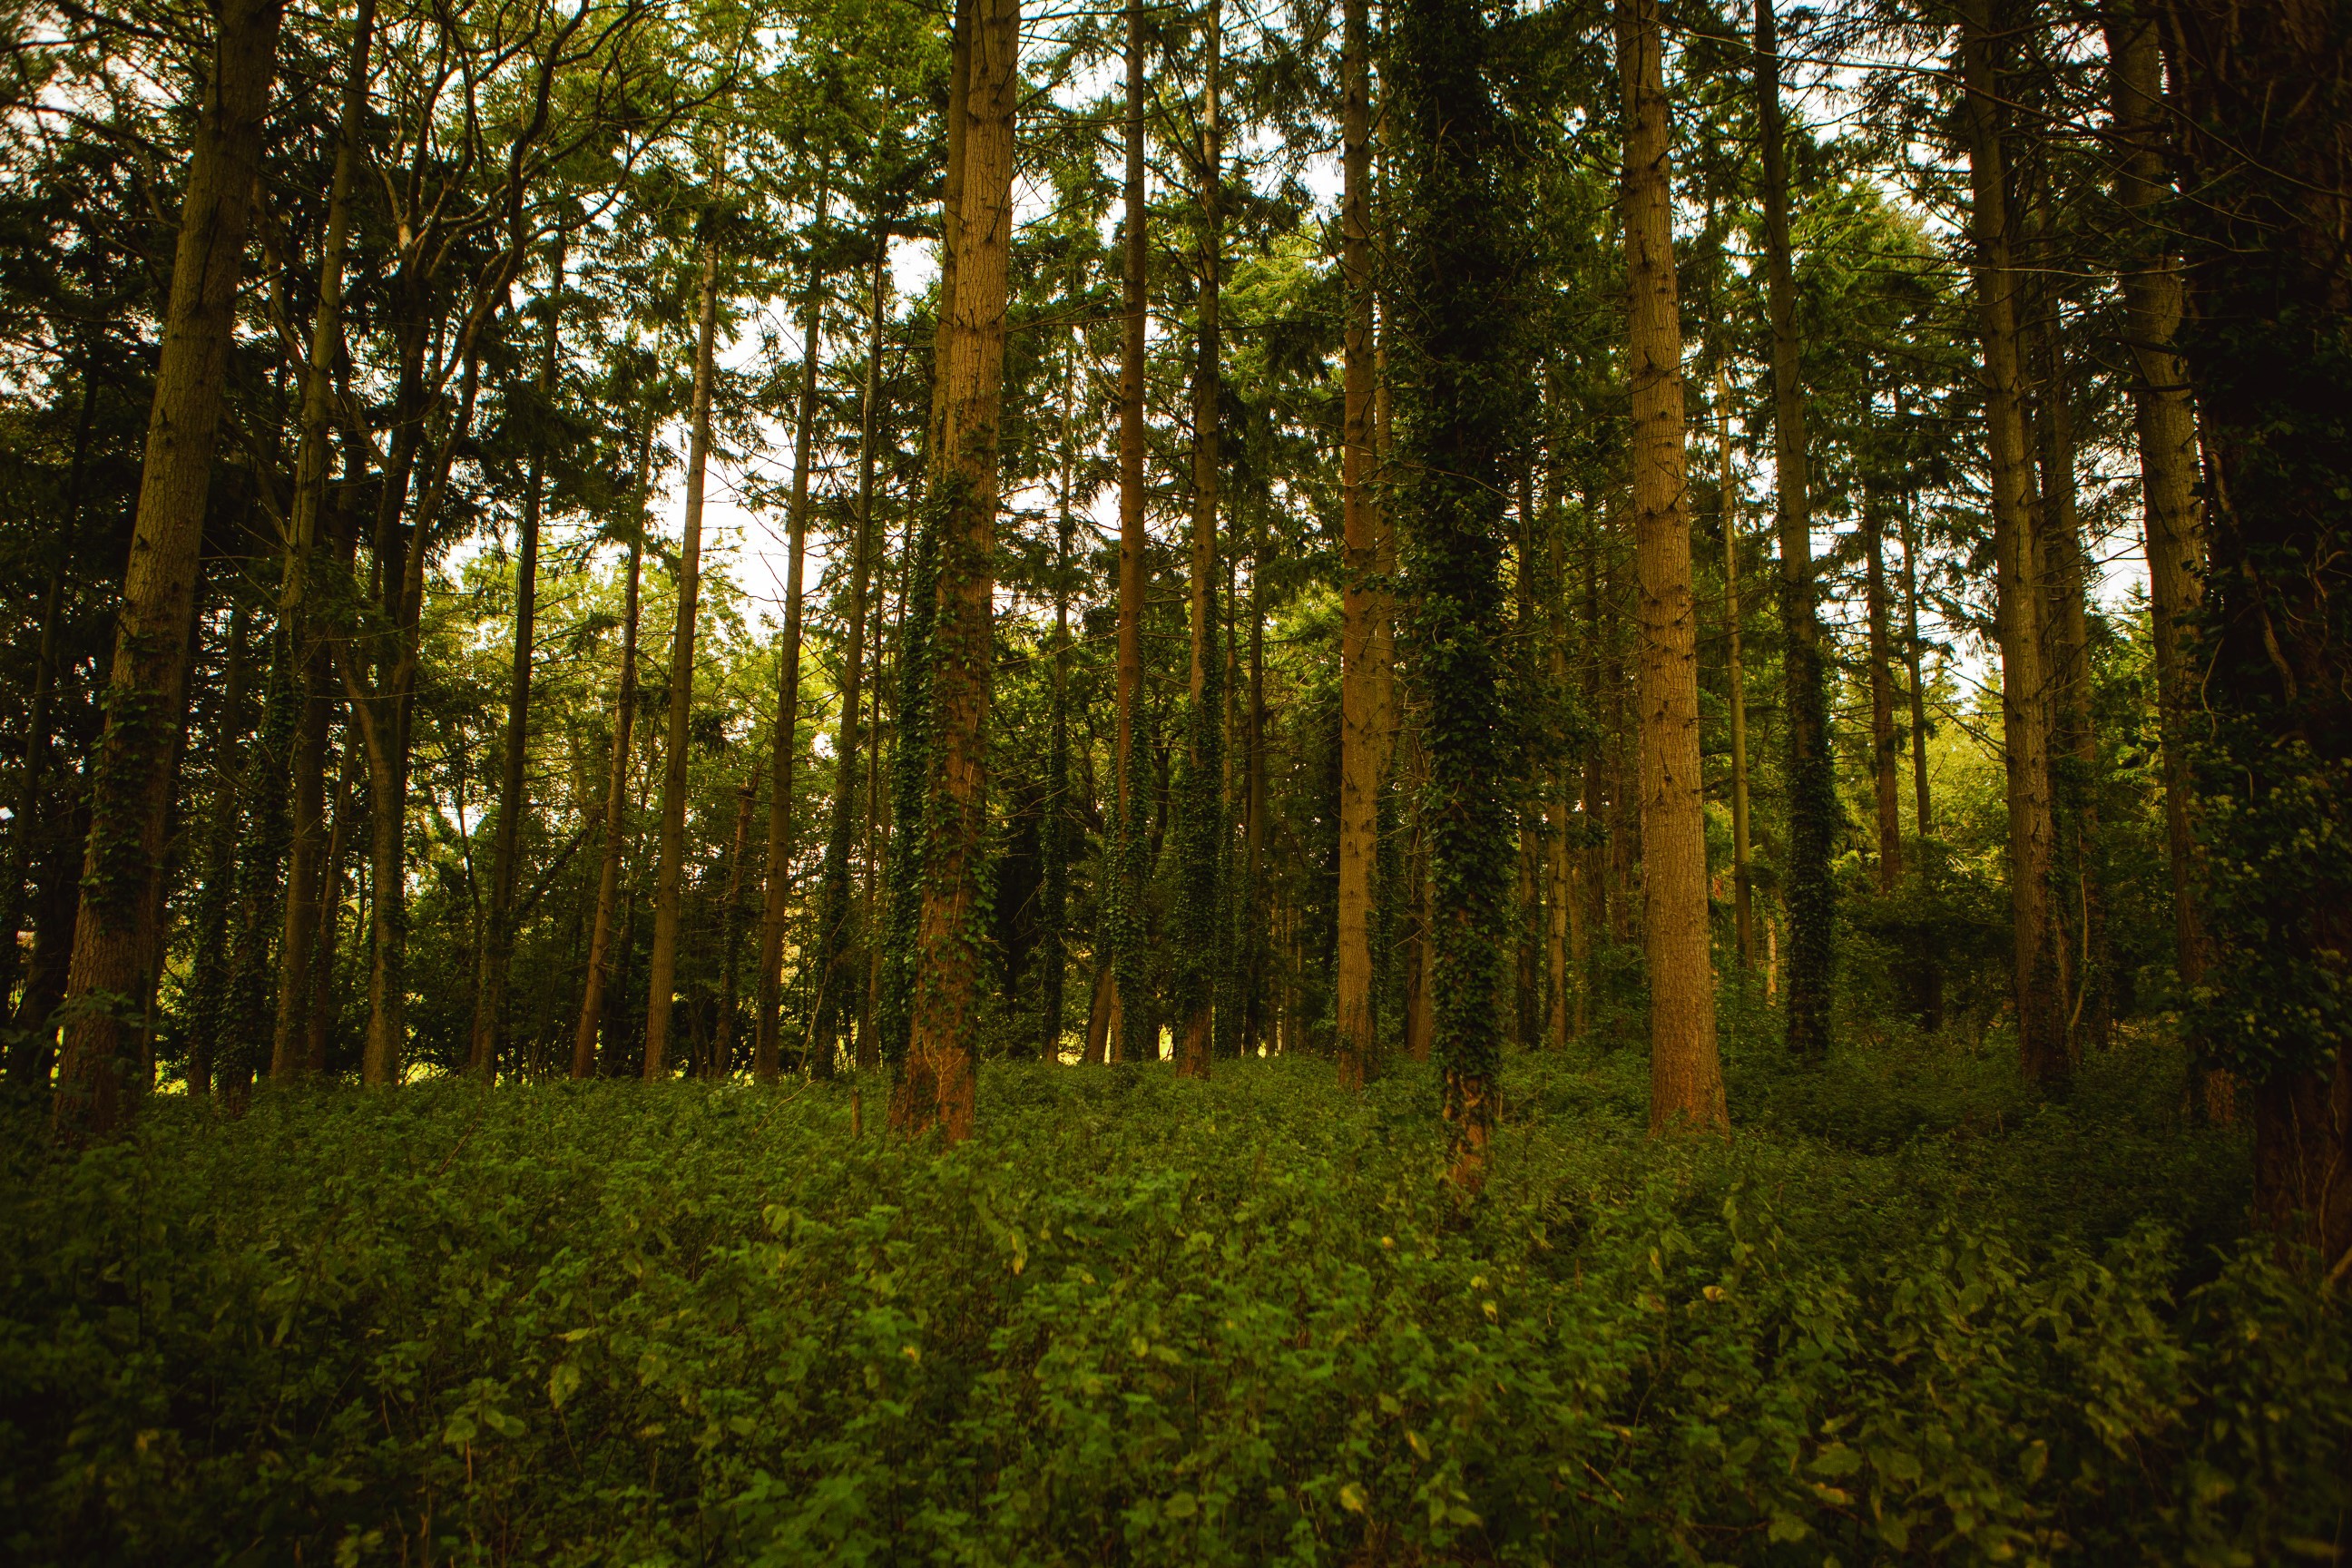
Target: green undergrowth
x: 1908, y: 1313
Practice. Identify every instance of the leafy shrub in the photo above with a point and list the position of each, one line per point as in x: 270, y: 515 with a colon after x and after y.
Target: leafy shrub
x: 1147, y: 1320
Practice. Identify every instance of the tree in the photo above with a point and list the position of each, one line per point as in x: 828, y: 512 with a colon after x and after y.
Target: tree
x: 1686, y: 1077
x: 118, y: 942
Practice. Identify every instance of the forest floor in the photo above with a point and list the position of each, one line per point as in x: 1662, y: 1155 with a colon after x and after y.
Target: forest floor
x: 1906, y: 1313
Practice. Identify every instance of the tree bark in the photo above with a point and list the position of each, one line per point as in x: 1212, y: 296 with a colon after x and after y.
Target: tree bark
x: 616, y: 786
x: 775, y: 908
x: 1054, y: 894
x: 937, y: 1090
x: 289, y: 1042
x: 2024, y: 707
x: 1204, y: 827
x: 497, y: 946
x: 1685, y: 1075
x: 2174, y: 525
x: 1363, y: 743
x: 833, y: 982
x: 662, y: 965
x: 1886, y: 749
x: 731, y: 938
x: 1131, y: 863
x: 1810, y: 895
x: 1743, y: 911
x: 117, y: 942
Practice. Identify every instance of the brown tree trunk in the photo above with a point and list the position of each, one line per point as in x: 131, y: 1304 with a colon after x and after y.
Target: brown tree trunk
x: 1363, y: 741
x: 938, y: 1087
x: 1743, y: 909
x: 1685, y: 1077
x: 2167, y: 425
x: 730, y: 915
x: 1810, y: 893
x: 1128, y: 863
x: 1204, y: 834
x: 319, y: 1013
x: 767, y: 1042
x: 2024, y: 708
x: 662, y: 965
x: 117, y: 944
x: 497, y: 944
x: 616, y: 788
x: 289, y: 1052
x: 835, y: 989
x: 1885, y: 751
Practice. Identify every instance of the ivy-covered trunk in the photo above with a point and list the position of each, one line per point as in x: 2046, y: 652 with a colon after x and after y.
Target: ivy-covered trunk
x: 1203, y: 828
x: 937, y: 1087
x: 1686, y: 1075
x: 117, y: 939
x: 1886, y: 749
x: 1810, y: 892
x: 2265, y: 93
x: 1459, y: 374
x: 2040, y: 1014
x: 661, y: 981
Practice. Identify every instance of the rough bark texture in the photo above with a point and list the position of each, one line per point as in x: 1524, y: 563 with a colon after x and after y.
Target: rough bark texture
x: 1811, y: 896
x: 661, y: 967
x: 1685, y: 1075
x: 2041, y: 1032
x: 937, y: 1088
x: 117, y: 944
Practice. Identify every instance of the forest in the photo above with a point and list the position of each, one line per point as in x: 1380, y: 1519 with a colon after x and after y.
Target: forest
x: 1187, y: 781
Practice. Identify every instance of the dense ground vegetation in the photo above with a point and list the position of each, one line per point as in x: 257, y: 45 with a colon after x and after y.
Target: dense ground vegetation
x: 1911, y: 1312
x: 1437, y: 781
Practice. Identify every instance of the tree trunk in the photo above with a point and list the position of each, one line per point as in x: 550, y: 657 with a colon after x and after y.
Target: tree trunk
x: 661, y: 982
x: 1055, y: 892
x: 1363, y: 742
x: 289, y: 1046
x: 1130, y: 864
x: 767, y: 1044
x: 833, y: 982
x: 1460, y: 281
x: 117, y: 944
x: 1743, y: 911
x: 319, y: 1013
x: 2040, y: 1014
x: 938, y: 1085
x: 2167, y: 424
x: 617, y: 788
x: 1885, y: 749
x: 1203, y: 828
x: 1685, y: 1077
x: 209, y: 995
x: 731, y: 938
x: 497, y: 946
x: 2259, y: 101
x: 1810, y: 895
